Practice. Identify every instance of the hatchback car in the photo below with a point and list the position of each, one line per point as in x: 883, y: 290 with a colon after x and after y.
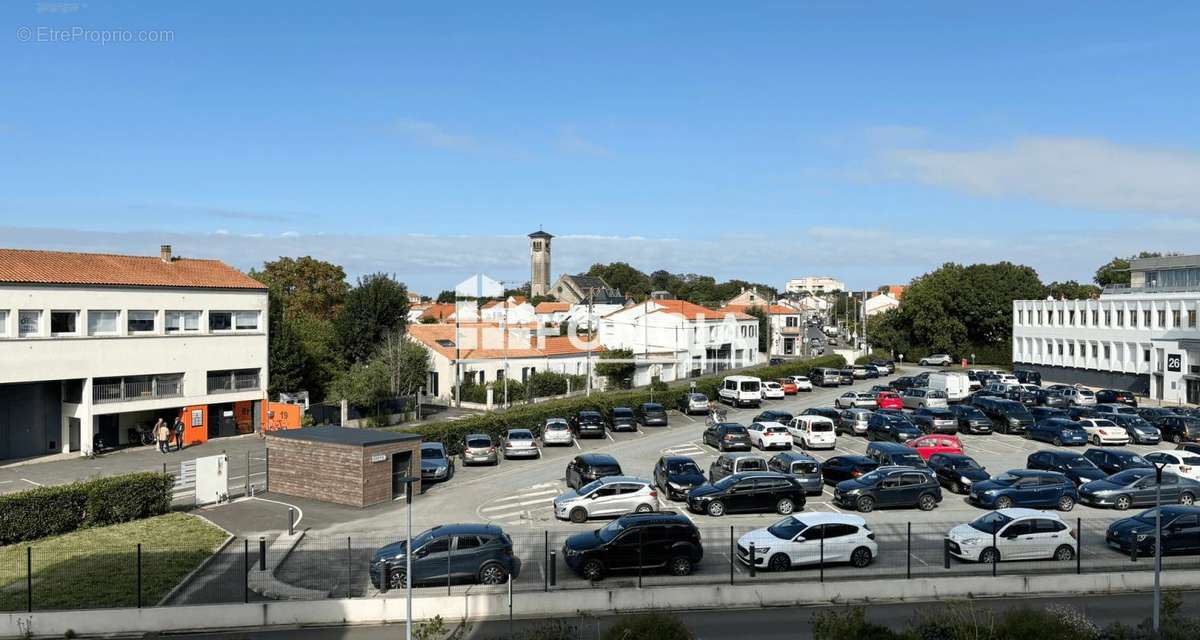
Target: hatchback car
x: 1154, y: 414
x: 436, y: 464
x: 769, y: 435
x: 811, y: 538
x: 1138, y: 488
x: 889, y: 487
x: 936, y: 443
x: 1180, y: 532
x: 622, y: 419
x: 887, y: 427
x: 813, y: 432
x: 1074, y: 466
x: 888, y: 400
x: 520, y: 443
x: 1080, y: 396
x: 854, y: 422
x: 773, y: 415
x: 772, y: 390
x: 839, y: 468
x: 589, y: 424
x: 1112, y: 461
x: 1179, y: 429
x: 921, y: 397
x: 937, y: 359
x: 902, y: 383
x: 728, y: 464
x: 956, y: 472
x: 557, y: 431
x: 635, y: 542
x: 1116, y: 396
x: 788, y: 385
x: 935, y: 420
x: 690, y: 403
x: 1058, y: 431
x: 1140, y: 431
x: 676, y: 475
x: 846, y: 376
x: 855, y: 399
x: 803, y: 383
x: 727, y: 436
x: 1051, y: 398
x: 1045, y: 413
x: 760, y: 492
x: 1013, y: 534
x: 651, y: 414
x: 804, y: 468
x: 1109, y: 409
x: 608, y: 496
x: 970, y: 419
x: 1025, y: 488
x: 479, y: 448
x: 1008, y: 417
x: 1101, y: 431
x: 1179, y: 462
x: 589, y: 467
x: 482, y: 554
x: 892, y: 454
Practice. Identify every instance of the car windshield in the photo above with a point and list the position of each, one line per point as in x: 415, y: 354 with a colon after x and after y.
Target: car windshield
x: 1017, y: 411
x: 478, y: 443
x: 610, y: 469
x: 787, y: 528
x: 725, y: 483
x: 683, y: 467
x: 432, y: 454
x: 735, y: 429
x: 622, y: 413
x: 652, y: 407
x: 872, y: 477
x: 1147, y: 517
x: 1005, y: 479
x: 970, y: 412
x: 1079, y: 462
x: 990, y: 522
x: 965, y: 463
x: 1131, y: 459
x: 611, y: 530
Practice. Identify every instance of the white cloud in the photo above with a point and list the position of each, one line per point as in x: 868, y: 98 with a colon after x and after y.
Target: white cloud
x: 430, y: 134
x: 571, y: 141
x: 1073, y: 172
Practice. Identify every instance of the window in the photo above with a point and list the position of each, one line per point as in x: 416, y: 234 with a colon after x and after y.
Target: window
x: 1191, y: 319
x: 1107, y: 318
x: 183, y: 321
x: 1095, y: 350
x: 1095, y: 317
x: 1133, y: 319
x: 63, y: 323
x: 141, y: 321
x: 1175, y: 318
x: 220, y: 320
x: 1071, y: 318
x: 1146, y: 317
x: 29, y: 323
x: 103, y: 323
x: 1107, y: 352
x: 1060, y: 349
x: 1071, y: 349
x: 468, y: 542
x: 245, y: 320
x: 1162, y: 318
x: 1120, y: 317
x: 440, y: 545
x: 1039, y: 316
x: 1145, y: 355
x: 3, y: 322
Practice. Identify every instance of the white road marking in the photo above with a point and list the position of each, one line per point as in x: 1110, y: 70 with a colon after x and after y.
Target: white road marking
x: 609, y: 436
x: 518, y: 504
x: 544, y: 485
x: 575, y: 441
x: 914, y: 557
x: 36, y: 484
x: 299, y: 512
x: 532, y: 494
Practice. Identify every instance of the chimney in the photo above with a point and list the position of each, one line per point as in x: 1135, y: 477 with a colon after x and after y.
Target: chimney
x: 164, y: 252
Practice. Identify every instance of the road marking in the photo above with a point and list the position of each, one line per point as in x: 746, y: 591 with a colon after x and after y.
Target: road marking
x: 36, y: 484
x: 299, y: 512
x: 518, y: 504
x: 532, y: 494
x: 914, y: 557
x: 609, y: 436
x: 575, y: 441
x: 544, y: 485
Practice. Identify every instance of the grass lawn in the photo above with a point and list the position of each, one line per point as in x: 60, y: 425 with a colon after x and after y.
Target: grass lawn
x: 94, y: 568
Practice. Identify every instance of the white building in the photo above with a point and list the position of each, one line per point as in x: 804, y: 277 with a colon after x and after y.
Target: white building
x: 814, y: 284
x: 1143, y: 337
x: 511, y: 310
x: 93, y: 345
x: 552, y: 312
x: 787, y: 328
x: 674, y: 339
x: 880, y: 303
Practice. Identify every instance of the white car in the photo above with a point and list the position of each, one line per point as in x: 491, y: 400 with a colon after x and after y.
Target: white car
x: 855, y: 399
x: 557, y: 431
x: 520, y: 443
x: 769, y: 435
x: 1013, y: 534
x: 772, y: 390
x: 741, y: 391
x: 802, y: 383
x: 1101, y: 431
x: 1008, y: 378
x: 813, y: 432
x: 936, y: 359
x: 607, y: 496
x: 810, y: 538
x: 1180, y: 463
x: 1080, y: 397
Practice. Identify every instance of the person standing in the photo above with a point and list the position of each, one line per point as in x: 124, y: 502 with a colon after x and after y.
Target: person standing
x: 178, y: 429
x: 163, y: 435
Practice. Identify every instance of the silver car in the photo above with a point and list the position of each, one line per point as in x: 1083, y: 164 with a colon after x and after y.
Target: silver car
x: 936, y: 359
x: 478, y: 448
x: 519, y: 443
x: 921, y: 397
x: 557, y: 431
x: 854, y: 421
x: 852, y: 399
x: 608, y: 496
x: 1080, y: 397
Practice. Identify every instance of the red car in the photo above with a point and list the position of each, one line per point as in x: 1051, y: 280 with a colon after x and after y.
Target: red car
x: 935, y: 443
x: 888, y: 400
x: 789, y: 386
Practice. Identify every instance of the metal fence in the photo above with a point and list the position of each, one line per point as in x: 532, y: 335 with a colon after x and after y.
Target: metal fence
x: 323, y: 566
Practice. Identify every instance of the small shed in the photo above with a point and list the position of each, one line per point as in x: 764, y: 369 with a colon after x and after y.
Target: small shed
x: 357, y: 467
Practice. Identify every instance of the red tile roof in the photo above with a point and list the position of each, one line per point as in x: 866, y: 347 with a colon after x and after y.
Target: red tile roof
x: 439, y: 311
x: 27, y: 266
x: 691, y: 311
x: 775, y: 309
x: 487, y: 342
x: 552, y: 307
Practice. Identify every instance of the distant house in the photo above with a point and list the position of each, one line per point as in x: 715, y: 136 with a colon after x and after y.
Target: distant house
x: 512, y: 310
x: 413, y: 298
x: 575, y: 290
x: 552, y: 312
x: 895, y: 290
x: 787, y: 332
x: 748, y: 297
x: 880, y: 303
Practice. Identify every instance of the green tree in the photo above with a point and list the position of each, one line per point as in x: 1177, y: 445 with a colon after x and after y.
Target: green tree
x: 445, y: 297
x: 363, y: 384
x: 616, y: 372
x: 305, y: 284
x: 764, y: 327
x: 288, y: 363
x: 1116, y: 271
x: 407, y: 364
x: 377, y: 306
x: 622, y: 276
x: 1072, y: 290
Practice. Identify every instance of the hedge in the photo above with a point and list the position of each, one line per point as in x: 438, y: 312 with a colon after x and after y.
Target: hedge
x: 50, y: 511
x: 496, y: 423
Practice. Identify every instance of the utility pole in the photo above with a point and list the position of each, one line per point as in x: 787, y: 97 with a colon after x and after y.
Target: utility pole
x: 1158, y: 474
x: 457, y: 357
x: 590, y: 343
x: 504, y: 332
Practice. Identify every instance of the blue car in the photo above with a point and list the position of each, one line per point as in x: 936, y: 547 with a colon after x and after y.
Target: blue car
x: 1025, y: 488
x: 1058, y: 431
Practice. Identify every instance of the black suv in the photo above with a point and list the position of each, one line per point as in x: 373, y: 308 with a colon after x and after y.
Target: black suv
x: 585, y: 468
x: 1154, y: 414
x: 1007, y: 416
x: 825, y: 412
x: 588, y: 423
x: 1179, y: 429
x: 890, y: 427
x: 727, y: 436
x: 651, y: 414
x: 902, y: 383
x: 890, y: 487
x: 754, y: 492
x: 478, y: 553
x: 1180, y: 531
x: 1115, y: 396
x: 935, y: 420
x: 622, y: 419
x: 957, y: 472
x: 656, y: 541
x: 1025, y: 376
x: 676, y: 475
x: 971, y: 419
x: 771, y: 415
x: 1072, y: 465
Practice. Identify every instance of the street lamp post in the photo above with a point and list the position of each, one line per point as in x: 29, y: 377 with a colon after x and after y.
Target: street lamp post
x: 408, y: 552
x: 1158, y: 474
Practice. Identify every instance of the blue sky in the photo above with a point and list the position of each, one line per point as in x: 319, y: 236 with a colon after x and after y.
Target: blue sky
x: 869, y: 141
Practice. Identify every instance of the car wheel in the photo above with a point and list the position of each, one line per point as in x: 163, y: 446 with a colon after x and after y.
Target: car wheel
x: 644, y: 508
x: 955, y: 487
x: 1096, y: 440
x: 785, y: 506
x: 592, y: 570
x: 865, y: 504
x: 927, y: 502
x: 1177, y: 439
x: 1066, y: 503
x: 860, y: 557
x: 579, y: 515
x: 1187, y: 499
x: 396, y: 578
x: 779, y: 562
x: 716, y: 508
x: 680, y: 566
x: 1064, y: 553
x: 492, y: 574
x: 1057, y: 441
x: 1122, y: 503
x: 989, y: 556
x: 1004, y: 502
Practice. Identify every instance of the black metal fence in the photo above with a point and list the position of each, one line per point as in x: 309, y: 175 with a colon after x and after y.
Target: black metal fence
x: 320, y: 566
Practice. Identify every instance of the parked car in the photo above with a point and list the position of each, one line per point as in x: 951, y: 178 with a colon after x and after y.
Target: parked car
x: 902, y: 383
x: 888, y: 427
x: 436, y: 463
x: 479, y: 448
x: 1080, y: 396
x: 1181, y: 463
x: 931, y: 444
x: 1074, y: 466
x: 921, y: 397
x: 772, y: 390
x: 855, y: 399
x: 769, y: 435
x: 757, y: 492
x: 483, y: 554
x: 854, y: 422
x: 802, y: 383
x: 936, y: 360
x: 1101, y: 431
x: 622, y: 419
x: 813, y: 432
x: 1112, y: 461
x: 589, y: 467
x: 1116, y: 396
x: 589, y: 424
x: 1154, y: 414
x: 773, y: 415
x: 888, y: 400
x: 889, y: 487
x: 1079, y: 412
x: 727, y: 436
x: 1190, y: 447
x: 1013, y: 534
x: 872, y: 371
x: 955, y: 384
x: 1179, y: 429
x: 826, y: 377
x: 1058, y: 431
x: 557, y: 431
x: 1045, y: 413
x: 1019, y: 393
x: 651, y: 414
x: 802, y: 467
x: 893, y: 454
x: 741, y: 391
x: 728, y: 464
x: 839, y: 468
x: 690, y: 403
x: 1028, y: 377
x: 1025, y: 488
x: 886, y: 367
x: 1047, y: 397
x: 607, y: 496
x: 1110, y: 409
x: 1007, y: 417
x: 935, y: 420
x: 520, y: 443
x: 956, y: 471
x: 812, y: 538
x: 825, y: 412
x: 859, y: 372
x: 970, y: 419
x: 676, y: 475
x: 1138, y: 487
x: 1180, y: 532
x: 846, y: 376
x: 635, y: 542
x: 788, y: 385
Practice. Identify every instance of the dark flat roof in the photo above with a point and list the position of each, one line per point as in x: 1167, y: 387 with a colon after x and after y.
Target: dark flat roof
x: 345, y: 436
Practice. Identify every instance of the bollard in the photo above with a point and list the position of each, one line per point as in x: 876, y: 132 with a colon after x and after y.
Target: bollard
x: 946, y: 553
x: 246, y: 569
x: 1133, y: 554
x: 139, y: 575
x: 291, y: 521
x: 262, y: 553
x: 753, y: 560
x: 908, y: 558
x: 385, y: 577
x: 1079, y: 546
x: 553, y: 568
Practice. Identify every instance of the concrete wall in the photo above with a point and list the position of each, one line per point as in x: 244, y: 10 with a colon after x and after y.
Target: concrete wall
x: 1137, y: 383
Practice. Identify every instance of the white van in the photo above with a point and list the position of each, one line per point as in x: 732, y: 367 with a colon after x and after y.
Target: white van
x: 955, y: 384
x: 741, y: 391
x: 813, y: 432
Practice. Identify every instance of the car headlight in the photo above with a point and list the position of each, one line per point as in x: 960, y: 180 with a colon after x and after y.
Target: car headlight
x: 1014, y: 422
x: 989, y: 492
x: 966, y: 542
x: 966, y: 481
x: 441, y: 469
x: 570, y: 553
x: 762, y: 550
x: 852, y: 492
x: 1142, y: 537
x: 674, y: 485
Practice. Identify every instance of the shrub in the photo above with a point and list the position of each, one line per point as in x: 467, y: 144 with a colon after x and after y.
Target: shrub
x: 648, y: 626
x: 49, y: 511
x: 847, y: 624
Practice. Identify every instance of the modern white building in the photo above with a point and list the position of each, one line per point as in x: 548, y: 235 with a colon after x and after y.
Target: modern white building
x: 94, y: 346
x: 814, y: 284
x: 1143, y: 337
x: 675, y: 339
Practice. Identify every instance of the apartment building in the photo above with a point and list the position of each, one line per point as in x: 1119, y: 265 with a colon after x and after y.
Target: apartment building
x: 814, y: 284
x: 787, y: 327
x: 1143, y: 336
x: 94, y: 346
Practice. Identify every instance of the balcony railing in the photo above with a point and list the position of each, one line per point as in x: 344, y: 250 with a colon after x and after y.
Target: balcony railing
x: 233, y: 381
x: 1124, y: 288
x: 137, y: 388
